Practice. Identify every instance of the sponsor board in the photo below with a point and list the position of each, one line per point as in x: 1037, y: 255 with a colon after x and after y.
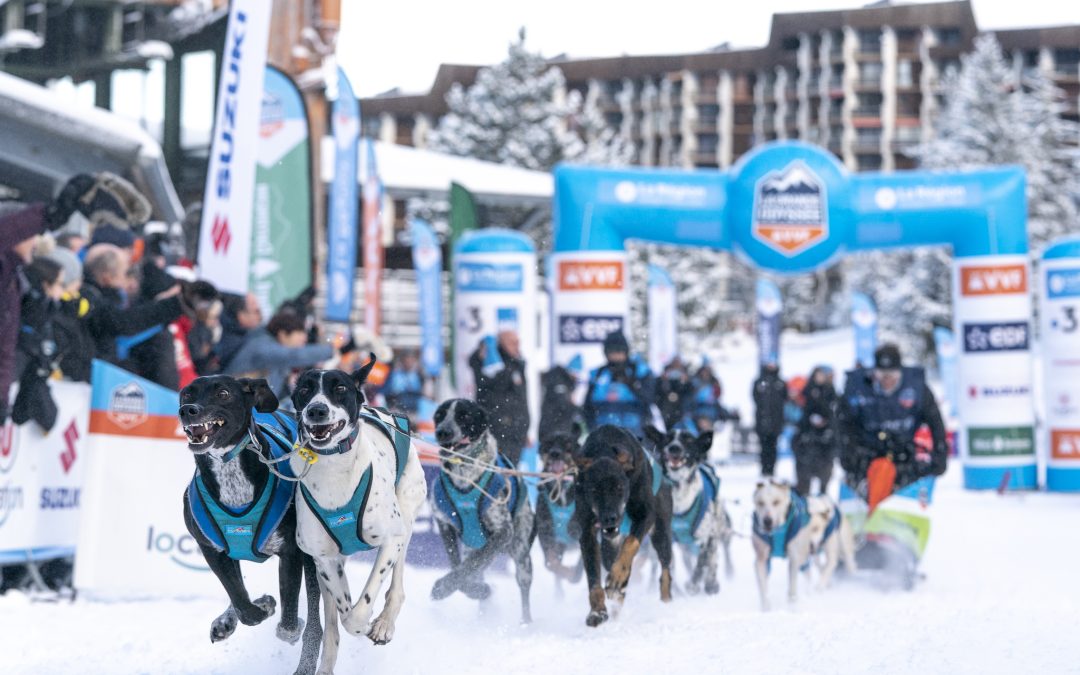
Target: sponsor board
x: 1063, y: 283
x: 1000, y: 441
x: 653, y: 193
x: 997, y: 392
x: 182, y: 550
x: 590, y: 275
x: 1063, y: 405
x: 790, y: 210
x: 9, y: 449
x: 981, y: 280
x: 579, y: 329
x: 1065, y: 444
x: 127, y: 405
x: 490, y: 277
x: 996, y: 337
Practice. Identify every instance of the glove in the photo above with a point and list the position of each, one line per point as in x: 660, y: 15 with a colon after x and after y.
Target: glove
x: 103, y: 198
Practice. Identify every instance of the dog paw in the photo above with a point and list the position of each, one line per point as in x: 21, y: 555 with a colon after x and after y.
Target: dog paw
x: 619, y: 575
x: 476, y: 589
x: 290, y: 635
x: 792, y: 598
x: 712, y: 587
x: 596, y: 617
x: 262, y: 609
x: 223, y: 626
x: 444, y: 587
x: 358, y: 621
x: 382, y: 631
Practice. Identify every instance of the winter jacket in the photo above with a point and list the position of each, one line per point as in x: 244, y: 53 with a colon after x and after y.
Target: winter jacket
x: 770, y: 394
x: 621, y: 394
x: 558, y: 414
x: 673, y: 397
x: 15, y: 227
x: 815, y: 433
x: 110, y: 319
x: 403, y: 390
x: 262, y: 354
x: 503, y: 395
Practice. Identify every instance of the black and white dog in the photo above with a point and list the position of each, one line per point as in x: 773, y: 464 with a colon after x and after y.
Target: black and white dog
x: 617, y: 479
x: 236, y: 509
x: 476, y: 508
x: 699, y: 523
x: 361, y: 491
x: 555, y: 525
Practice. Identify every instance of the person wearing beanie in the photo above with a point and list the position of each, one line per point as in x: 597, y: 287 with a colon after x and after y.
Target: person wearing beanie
x: 770, y: 394
x: 621, y: 392
x: 502, y: 391
x: 72, y: 268
x: 881, y: 410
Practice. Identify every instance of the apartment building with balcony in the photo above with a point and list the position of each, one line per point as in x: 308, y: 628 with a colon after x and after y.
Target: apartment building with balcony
x: 864, y: 83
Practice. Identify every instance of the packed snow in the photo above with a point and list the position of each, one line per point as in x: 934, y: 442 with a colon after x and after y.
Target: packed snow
x: 999, y: 596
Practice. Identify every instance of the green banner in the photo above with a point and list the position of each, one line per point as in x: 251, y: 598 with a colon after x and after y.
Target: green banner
x: 281, y: 218
x: 1000, y: 441
x: 463, y: 218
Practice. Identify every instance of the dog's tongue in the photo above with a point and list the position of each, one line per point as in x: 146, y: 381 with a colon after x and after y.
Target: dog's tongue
x: 557, y: 466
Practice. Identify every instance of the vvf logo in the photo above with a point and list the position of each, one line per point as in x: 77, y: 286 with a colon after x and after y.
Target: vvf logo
x: 226, y: 140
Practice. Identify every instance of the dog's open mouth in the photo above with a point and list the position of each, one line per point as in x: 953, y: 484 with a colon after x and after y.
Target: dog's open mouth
x: 610, y: 532
x: 555, y: 466
x: 676, y: 462
x: 321, y: 433
x: 199, y: 434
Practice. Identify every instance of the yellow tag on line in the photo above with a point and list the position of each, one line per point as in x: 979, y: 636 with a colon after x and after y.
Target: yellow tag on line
x: 309, y: 456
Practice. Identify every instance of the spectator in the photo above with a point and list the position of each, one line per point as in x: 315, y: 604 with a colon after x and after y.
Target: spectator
x: 770, y: 395
x: 704, y: 408
x: 501, y: 391
x: 814, y: 443
x: 277, y: 350
x: 73, y: 270
x: 38, y: 351
x: 674, y: 390
x: 558, y: 413
x: 71, y: 241
x: 203, y: 337
x: 622, y: 391
x: 405, y: 385
x: 241, y: 316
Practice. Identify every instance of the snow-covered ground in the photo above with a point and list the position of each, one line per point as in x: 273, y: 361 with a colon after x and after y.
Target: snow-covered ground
x: 1000, y: 597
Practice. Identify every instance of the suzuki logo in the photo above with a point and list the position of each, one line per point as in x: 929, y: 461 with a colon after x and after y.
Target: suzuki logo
x: 221, y: 235
x: 68, y: 456
x: 993, y: 280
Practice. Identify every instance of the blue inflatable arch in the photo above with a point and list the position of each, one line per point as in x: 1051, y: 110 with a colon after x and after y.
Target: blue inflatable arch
x: 791, y: 207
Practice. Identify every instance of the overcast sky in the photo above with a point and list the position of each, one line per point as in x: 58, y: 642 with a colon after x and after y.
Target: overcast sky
x: 390, y: 44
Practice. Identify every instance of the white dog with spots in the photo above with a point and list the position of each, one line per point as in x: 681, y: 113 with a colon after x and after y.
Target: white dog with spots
x: 362, y: 489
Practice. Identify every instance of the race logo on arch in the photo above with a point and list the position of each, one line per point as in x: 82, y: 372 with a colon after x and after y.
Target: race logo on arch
x: 790, y: 209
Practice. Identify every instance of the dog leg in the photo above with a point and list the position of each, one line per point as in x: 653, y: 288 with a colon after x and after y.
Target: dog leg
x: 597, y: 611
x: 290, y: 576
x: 794, y: 563
x: 761, y: 567
x: 707, y: 565
x: 832, y: 558
x: 590, y: 558
x: 847, y: 547
x: 620, y: 569
x: 382, y: 629
x: 332, y: 580
x: 224, y: 626
x: 309, y: 647
x: 473, y: 565
x: 725, y: 539
x: 331, y: 635
x: 227, y: 571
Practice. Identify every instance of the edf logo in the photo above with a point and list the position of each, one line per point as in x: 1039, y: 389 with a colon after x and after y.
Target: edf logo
x: 996, y: 337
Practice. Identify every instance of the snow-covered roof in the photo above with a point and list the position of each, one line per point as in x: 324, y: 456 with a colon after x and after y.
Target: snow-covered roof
x: 407, y: 171
x: 44, y: 140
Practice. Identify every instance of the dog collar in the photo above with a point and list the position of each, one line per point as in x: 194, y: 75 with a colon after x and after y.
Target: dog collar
x: 247, y: 441
x: 338, y: 449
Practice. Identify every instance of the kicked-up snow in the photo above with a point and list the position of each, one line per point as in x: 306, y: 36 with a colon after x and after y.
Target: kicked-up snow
x: 1000, y: 596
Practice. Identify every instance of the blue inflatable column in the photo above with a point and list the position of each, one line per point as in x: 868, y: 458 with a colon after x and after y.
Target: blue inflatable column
x: 1060, y: 321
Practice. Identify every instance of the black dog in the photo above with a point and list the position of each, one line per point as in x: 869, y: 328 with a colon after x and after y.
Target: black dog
x: 483, y: 510
x: 555, y: 525
x: 237, y: 510
x: 617, y: 479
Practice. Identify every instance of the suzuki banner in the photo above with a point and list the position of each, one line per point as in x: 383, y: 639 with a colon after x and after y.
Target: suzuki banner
x: 41, y: 480
x: 341, y: 219
x: 864, y: 321
x: 769, y: 307
x: 663, y: 319
x: 225, y: 233
x: 1059, y: 313
x: 427, y: 259
x: 281, y: 240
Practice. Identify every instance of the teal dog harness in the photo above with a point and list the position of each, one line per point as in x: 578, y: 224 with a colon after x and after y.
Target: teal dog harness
x: 685, y: 524
x: 465, y: 508
x: 243, y: 532
x: 777, y: 540
x: 345, y: 524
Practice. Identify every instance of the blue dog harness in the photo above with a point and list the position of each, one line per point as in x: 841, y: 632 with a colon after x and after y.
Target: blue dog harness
x: 242, y: 533
x: 685, y: 524
x: 834, y: 524
x: 561, y: 515
x: 798, y: 517
x: 464, y: 509
x: 345, y: 524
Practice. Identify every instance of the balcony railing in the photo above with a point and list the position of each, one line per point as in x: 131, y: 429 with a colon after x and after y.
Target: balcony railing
x: 706, y: 124
x: 867, y: 144
x: 867, y: 111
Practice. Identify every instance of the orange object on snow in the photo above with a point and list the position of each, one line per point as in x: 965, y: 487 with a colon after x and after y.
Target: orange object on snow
x: 880, y: 478
x: 795, y: 388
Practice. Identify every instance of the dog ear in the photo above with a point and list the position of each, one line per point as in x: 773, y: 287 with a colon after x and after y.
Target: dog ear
x: 578, y: 430
x: 258, y: 394
x: 625, y: 458
x: 703, y: 444
x: 654, y: 435
x: 361, y: 375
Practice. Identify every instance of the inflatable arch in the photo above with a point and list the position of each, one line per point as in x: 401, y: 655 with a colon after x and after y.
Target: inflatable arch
x: 791, y: 207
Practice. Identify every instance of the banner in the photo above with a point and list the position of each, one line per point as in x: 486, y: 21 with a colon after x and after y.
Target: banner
x: 588, y: 301
x: 769, y: 306
x: 41, y: 480
x: 1059, y: 315
x: 663, y: 319
x: 341, y: 219
x: 864, y: 321
x: 463, y: 219
x: 945, y: 346
x: 225, y: 233
x: 281, y: 240
x: 427, y: 259
x: 373, y: 247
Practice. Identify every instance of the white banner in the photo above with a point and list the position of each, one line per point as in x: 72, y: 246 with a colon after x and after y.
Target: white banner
x: 225, y: 232
x: 589, y: 298
x: 663, y: 319
x: 41, y: 479
x: 1059, y: 312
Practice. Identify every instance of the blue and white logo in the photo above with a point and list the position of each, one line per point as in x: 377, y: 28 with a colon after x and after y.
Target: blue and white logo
x: 1063, y: 283
x: 490, y: 277
x: 996, y: 337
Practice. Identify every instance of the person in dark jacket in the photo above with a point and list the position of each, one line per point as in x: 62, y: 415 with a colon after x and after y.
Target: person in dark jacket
x: 558, y: 412
x: 703, y: 407
x: 621, y: 392
x: 405, y: 385
x: 674, y: 390
x: 814, y: 443
x: 878, y: 416
x: 241, y: 316
x: 770, y: 395
x: 501, y: 391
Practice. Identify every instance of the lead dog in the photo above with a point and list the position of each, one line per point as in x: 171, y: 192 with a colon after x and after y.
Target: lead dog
x: 831, y: 538
x: 236, y: 509
x: 616, y: 478
x: 555, y: 525
x: 699, y: 522
x: 780, y: 531
x: 483, y: 510
x: 361, y: 486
